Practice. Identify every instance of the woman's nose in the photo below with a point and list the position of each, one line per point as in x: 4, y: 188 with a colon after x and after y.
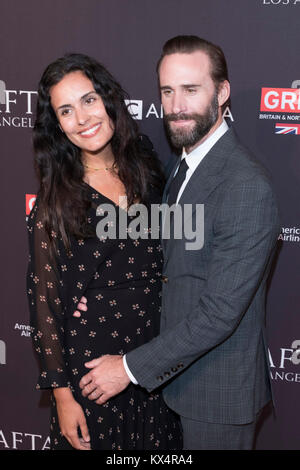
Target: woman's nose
x: 82, y: 116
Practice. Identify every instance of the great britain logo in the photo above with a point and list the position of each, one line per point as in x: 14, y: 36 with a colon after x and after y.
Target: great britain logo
x: 282, y: 104
x: 287, y: 129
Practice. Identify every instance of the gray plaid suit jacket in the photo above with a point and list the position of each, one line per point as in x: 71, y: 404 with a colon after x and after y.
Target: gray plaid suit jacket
x: 210, y: 355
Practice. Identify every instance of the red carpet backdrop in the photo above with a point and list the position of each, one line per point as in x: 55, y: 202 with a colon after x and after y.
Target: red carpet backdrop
x: 260, y: 39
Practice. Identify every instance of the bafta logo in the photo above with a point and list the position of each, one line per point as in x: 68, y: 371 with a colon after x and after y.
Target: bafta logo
x: 2, y: 352
x: 2, y: 92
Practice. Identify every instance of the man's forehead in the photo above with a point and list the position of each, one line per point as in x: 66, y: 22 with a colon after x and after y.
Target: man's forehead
x: 184, y: 66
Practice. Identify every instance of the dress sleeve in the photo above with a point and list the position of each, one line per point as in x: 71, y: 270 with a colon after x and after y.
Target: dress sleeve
x: 44, y: 290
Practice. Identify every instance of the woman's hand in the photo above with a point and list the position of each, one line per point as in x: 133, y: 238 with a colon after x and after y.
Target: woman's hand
x: 70, y: 417
x: 82, y: 305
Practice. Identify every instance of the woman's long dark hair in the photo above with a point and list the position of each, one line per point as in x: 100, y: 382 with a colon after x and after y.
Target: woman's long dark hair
x: 63, y: 196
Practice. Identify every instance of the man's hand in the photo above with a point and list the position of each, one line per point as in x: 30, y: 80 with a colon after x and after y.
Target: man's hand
x: 82, y: 305
x: 106, y: 379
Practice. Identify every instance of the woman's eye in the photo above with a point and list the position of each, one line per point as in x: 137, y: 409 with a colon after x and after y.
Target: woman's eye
x: 90, y: 100
x: 65, y: 112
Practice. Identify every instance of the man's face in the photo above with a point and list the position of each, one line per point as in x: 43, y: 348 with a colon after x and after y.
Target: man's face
x: 191, y: 103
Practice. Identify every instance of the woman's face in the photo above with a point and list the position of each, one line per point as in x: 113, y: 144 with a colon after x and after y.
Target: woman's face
x: 81, y: 113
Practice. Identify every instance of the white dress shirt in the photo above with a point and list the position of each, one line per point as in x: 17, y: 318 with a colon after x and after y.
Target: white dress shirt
x: 193, y: 159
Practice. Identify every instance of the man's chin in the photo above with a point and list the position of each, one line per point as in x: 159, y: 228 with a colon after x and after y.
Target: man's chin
x: 181, y: 133
x: 179, y: 141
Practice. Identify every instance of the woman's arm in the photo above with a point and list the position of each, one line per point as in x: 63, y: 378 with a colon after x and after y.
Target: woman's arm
x: 44, y: 292
x: 44, y: 289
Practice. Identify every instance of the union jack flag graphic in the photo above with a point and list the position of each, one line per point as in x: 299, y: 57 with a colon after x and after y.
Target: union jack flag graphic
x: 287, y: 129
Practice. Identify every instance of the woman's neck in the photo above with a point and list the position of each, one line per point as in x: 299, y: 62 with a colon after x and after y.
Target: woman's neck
x: 103, y: 159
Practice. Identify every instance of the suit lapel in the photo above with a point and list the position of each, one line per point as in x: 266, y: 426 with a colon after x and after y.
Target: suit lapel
x: 207, y: 176
x: 210, y: 171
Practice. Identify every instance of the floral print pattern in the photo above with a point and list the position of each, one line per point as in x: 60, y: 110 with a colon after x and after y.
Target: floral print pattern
x: 122, y: 283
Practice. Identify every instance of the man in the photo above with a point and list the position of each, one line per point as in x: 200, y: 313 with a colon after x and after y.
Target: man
x: 210, y: 356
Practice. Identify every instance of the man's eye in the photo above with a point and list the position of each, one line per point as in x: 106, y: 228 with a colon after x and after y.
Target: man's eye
x: 166, y: 92
x: 191, y: 90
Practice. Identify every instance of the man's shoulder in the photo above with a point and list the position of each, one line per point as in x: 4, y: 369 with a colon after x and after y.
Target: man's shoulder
x: 243, y: 165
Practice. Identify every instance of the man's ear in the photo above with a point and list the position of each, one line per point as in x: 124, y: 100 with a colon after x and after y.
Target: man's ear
x: 223, y: 92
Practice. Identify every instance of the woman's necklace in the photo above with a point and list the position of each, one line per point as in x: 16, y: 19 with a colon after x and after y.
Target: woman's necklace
x: 97, y: 169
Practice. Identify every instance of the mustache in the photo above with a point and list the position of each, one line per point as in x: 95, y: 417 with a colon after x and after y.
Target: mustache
x: 180, y: 117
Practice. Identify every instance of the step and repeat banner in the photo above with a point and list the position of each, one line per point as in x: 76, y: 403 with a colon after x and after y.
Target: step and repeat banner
x: 260, y: 39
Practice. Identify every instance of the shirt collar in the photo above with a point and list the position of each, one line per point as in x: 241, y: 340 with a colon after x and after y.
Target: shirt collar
x: 194, y: 158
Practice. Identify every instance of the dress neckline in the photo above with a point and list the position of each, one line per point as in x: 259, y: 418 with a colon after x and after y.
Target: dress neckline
x: 91, y: 188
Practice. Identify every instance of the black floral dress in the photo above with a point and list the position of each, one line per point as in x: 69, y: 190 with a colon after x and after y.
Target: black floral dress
x: 121, y: 280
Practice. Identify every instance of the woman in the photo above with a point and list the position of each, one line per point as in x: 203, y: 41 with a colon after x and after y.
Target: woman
x: 87, y: 153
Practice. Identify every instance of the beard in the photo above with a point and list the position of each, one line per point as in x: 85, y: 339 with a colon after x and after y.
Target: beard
x: 203, y: 123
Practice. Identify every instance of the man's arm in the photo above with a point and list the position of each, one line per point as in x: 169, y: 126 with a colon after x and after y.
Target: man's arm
x: 246, y: 230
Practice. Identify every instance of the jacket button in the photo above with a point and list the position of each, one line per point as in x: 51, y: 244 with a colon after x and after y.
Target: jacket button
x: 160, y: 378
x: 164, y: 279
x: 180, y: 365
x: 167, y: 374
x: 174, y: 369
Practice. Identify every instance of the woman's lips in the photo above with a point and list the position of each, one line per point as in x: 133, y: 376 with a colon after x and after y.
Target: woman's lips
x: 90, y: 132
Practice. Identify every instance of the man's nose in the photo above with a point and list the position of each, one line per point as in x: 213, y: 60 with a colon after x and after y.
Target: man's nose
x: 178, y: 103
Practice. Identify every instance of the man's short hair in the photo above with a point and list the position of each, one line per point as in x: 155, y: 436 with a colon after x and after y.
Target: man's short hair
x: 190, y: 44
